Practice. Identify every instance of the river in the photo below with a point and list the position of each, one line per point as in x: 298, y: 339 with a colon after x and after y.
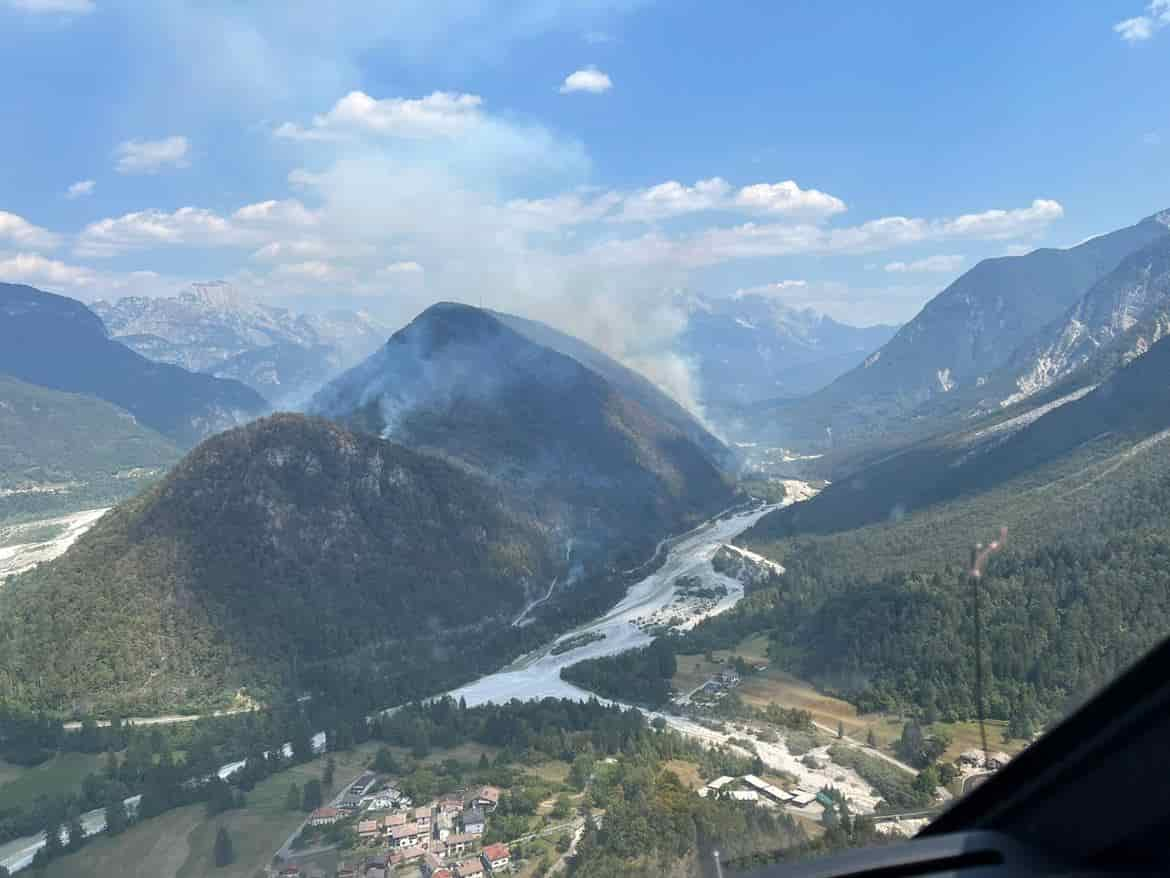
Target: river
x: 537, y: 675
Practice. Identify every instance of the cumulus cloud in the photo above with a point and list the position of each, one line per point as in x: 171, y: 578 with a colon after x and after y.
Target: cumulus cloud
x: 778, y: 289
x: 32, y: 268
x: 588, y: 79
x: 80, y: 189
x: 19, y: 231
x: 755, y: 240
x: 61, y: 7
x: 674, y: 199
x: 788, y: 199
x: 152, y: 156
x: 152, y: 228
x: 252, y: 225
x: 1142, y: 27
x: 439, y: 114
x: 942, y: 262
x: 291, y: 251
x: 671, y: 199
x: 407, y: 267
x: 317, y: 269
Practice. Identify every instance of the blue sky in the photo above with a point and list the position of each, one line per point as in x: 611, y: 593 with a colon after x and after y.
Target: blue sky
x: 582, y: 161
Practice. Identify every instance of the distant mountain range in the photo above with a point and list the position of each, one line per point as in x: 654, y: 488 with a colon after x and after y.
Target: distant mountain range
x: 212, y: 328
x: 59, y: 343
x: 598, y: 453
x: 1006, y: 329
x: 751, y: 347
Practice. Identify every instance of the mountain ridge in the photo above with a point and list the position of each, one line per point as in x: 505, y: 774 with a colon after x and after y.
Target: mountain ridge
x: 212, y: 328
x: 267, y: 542
x: 59, y: 343
x: 598, y: 463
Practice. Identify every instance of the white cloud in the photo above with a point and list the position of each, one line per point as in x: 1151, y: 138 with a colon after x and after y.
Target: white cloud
x: 286, y: 213
x: 779, y: 289
x: 588, y: 79
x: 998, y: 224
x: 252, y: 225
x: 673, y: 199
x: 284, y: 251
x: 22, y: 233
x: 788, y: 199
x: 401, y: 268
x: 64, y: 7
x: 315, y: 269
x: 565, y: 209
x: 941, y: 262
x: 1142, y: 27
x: 1018, y: 250
x: 439, y: 114
x: 755, y: 240
x: 153, y: 228
x: 151, y: 156
x: 80, y: 188
x: 33, y: 268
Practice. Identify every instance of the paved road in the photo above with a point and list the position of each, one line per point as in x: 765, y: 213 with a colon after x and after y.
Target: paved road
x: 285, y: 851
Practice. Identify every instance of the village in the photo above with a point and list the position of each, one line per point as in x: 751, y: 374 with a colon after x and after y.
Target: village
x: 442, y: 837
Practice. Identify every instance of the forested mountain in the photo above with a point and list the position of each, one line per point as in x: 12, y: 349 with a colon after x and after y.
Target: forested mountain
x: 751, y: 347
x: 61, y: 451
x: 628, y: 382
x: 876, y: 601
x: 59, y: 343
x: 212, y: 328
x: 1129, y: 407
x: 956, y: 343
x: 607, y: 467
x: 270, y: 547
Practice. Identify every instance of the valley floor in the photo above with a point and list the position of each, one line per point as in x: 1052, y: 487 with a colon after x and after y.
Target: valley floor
x: 23, y: 546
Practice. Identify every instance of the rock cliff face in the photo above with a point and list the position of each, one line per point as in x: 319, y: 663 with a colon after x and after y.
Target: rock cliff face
x: 1120, y: 317
x: 287, y: 539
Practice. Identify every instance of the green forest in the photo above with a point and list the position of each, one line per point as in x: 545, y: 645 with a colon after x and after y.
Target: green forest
x: 269, y: 550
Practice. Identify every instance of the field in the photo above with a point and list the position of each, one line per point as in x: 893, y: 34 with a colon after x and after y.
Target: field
x: 965, y: 736
x: 687, y: 772
x: 774, y: 686
x: 61, y: 774
x: 179, y: 843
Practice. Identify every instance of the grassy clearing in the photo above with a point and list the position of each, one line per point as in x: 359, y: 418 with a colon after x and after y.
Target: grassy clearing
x: 774, y: 686
x: 687, y: 772
x: 179, y: 844
x: 465, y: 753
x: 157, y: 847
x: 965, y: 736
x: 551, y: 772
x: 59, y: 775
